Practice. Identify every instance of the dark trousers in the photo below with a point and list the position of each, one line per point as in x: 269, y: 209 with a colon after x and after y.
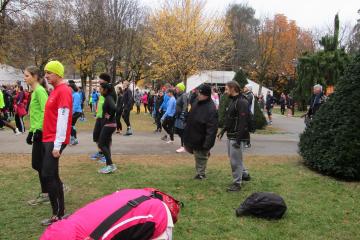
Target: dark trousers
x: 126, y: 117
x: 118, y: 121
x: 75, y: 117
x: 158, y: 120
x: 36, y: 162
x: 104, y: 142
x: 53, y: 184
x: 168, y: 125
x: 20, y: 123
x: 282, y: 109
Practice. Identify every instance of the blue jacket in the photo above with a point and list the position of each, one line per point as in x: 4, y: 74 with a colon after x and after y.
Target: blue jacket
x: 77, y: 100
x: 94, y: 97
x: 171, y: 108
x: 164, y: 103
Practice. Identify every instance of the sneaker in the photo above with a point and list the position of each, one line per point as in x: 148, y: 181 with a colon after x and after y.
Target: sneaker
x: 118, y: 132
x: 270, y: 122
x: 76, y: 142
x: 247, y: 145
x: 102, y: 159
x: 199, y: 177
x: 164, y: 138
x: 49, y: 221
x: 170, y: 142
x: 42, y: 198
x: 129, y: 132
x: 17, y: 132
x: 96, y: 156
x: 246, y: 177
x: 66, y: 188
x: 181, y: 150
x: 108, y: 169
x: 235, y: 187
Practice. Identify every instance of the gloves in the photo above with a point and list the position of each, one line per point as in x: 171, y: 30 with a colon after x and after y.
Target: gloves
x: 29, y: 138
x: 37, y: 136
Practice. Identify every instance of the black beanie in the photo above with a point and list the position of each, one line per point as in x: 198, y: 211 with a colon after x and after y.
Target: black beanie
x: 106, y: 77
x: 205, y: 90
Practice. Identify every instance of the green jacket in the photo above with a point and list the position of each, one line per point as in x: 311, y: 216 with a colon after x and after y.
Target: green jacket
x: 99, y: 111
x: 2, y: 103
x: 37, y: 108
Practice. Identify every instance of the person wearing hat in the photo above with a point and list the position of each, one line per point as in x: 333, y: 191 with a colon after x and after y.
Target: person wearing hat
x: 56, y: 135
x: 181, y: 113
x: 236, y: 126
x: 201, y: 128
x: 77, y: 111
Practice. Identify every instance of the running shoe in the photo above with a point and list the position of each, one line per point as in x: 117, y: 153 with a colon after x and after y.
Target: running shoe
x: 181, y: 150
x: 17, y: 132
x: 199, y: 177
x: 129, y: 132
x: 108, y: 169
x: 164, y: 138
x: 42, y: 198
x: 235, y: 187
x: 75, y: 142
x: 102, y: 159
x: 170, y: 142
x: 96, y: 156
x: 49, y: 221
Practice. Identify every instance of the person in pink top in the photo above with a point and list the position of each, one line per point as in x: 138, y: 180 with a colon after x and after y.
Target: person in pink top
x: 215, y: 97
x: 126, y: 214
x: 145, y: 101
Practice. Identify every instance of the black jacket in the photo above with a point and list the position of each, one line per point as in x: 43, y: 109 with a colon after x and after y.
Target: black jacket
x: 237, y: 119
x: 315, y: 103
x: 119, y: 104
x: 202, y: 125
x: 109, y: 107
x: 128, y: 100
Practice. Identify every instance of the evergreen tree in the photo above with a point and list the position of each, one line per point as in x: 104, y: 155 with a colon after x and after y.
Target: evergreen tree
x: 331, y: 143
x: 260, y: 120
x: 324, y: 67
x: 241, y: 78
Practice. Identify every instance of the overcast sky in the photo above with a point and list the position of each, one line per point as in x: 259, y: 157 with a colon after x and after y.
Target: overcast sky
x: 307, y: 13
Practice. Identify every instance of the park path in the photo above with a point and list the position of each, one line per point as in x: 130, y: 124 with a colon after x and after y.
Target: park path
x: 150, y: 143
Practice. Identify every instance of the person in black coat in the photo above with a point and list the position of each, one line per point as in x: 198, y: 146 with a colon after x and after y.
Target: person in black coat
x: 236, y: 126
x: 128, y: 101
x: 119, y: 110
x: 200, y: 131
x: 269, y: 104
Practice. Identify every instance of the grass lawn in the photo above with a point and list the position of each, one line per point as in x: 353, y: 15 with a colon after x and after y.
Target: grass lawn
x: 276, y: 110
x: 318, y: 207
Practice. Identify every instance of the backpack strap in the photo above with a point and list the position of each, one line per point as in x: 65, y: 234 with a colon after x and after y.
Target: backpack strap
x: 109, y: 221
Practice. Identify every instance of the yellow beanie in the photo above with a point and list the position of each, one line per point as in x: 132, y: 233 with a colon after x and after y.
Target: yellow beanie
x: 55, y: 67
x: 181, y: 86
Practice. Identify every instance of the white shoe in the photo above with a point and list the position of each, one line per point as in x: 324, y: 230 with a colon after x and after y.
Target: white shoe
x: 181, y: 150
x: 170, y: 142
x: 17, y: 132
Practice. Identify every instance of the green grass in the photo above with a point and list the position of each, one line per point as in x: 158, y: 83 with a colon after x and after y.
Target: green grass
x: 276, y: 110
x: 318, y: 207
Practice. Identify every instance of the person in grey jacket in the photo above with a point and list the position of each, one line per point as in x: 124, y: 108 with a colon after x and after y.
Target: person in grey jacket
x: 181, y: 113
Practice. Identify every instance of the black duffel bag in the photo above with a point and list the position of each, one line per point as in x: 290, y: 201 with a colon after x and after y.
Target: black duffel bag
x: 264, y: 205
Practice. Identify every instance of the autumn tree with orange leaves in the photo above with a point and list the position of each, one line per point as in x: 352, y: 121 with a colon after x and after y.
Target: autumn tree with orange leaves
x: 279, y: 43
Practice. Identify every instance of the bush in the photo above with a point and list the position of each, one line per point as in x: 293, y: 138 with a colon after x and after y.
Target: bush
x: 331, y: 143
x: 260, y: 120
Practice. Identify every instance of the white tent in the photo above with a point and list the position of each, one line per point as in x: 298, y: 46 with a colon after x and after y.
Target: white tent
x: 10, y: 75
x: 219, y: 78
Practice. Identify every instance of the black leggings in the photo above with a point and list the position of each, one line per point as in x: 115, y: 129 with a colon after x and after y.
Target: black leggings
x: 75, y: 117
x: 36, y: 162
x: 158, y: 121
x: 180, y: 132
x: 20, y: 123
x: 168, y: 125
x: 118, y: 121
x: 104, y: 142
x: 53, y: 183
x: 126, y: 117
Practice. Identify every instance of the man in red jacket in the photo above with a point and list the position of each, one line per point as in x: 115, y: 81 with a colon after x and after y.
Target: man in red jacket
x: 56, y: 135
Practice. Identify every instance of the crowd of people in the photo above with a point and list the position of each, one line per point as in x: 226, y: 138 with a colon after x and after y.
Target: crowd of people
x: 193, y: 116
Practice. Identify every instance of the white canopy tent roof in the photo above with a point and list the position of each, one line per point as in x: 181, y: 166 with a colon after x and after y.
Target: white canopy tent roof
x: 219, y: 77
x: 10, y: 75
